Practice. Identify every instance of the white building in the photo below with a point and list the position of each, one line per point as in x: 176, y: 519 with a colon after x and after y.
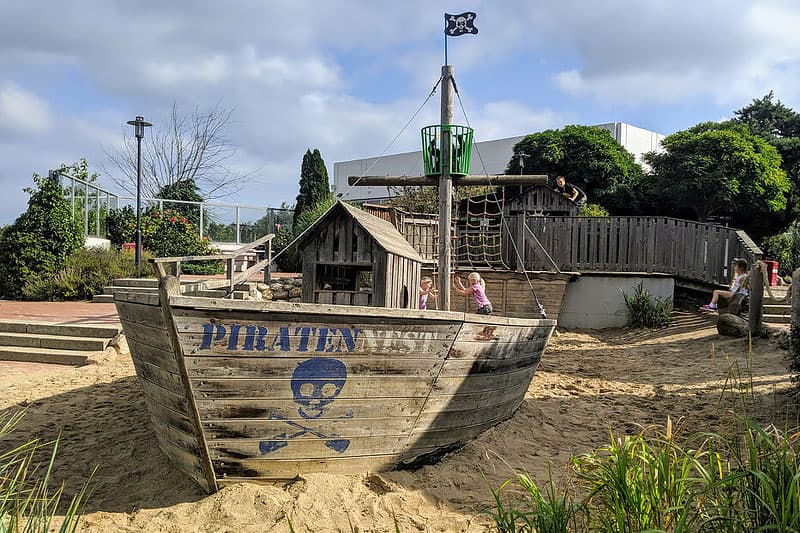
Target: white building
x: 495, y: 155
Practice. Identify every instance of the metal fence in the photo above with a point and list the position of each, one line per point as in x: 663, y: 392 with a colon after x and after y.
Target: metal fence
x: 220, y: 222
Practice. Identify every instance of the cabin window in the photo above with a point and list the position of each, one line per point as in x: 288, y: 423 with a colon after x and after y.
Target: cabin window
x: 343, y: 278
x: 405, y: 296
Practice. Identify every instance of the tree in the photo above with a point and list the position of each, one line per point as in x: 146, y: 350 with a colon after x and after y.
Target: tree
x: 183, y: 191
x: 186, y: 148
x: 780, y: 126
x: 314, y: 184
x: 39, y: 240
x: 588, y: 157
x: 719, y: 169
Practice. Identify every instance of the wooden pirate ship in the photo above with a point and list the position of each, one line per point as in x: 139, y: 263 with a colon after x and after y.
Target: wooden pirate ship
x: 353, y: 379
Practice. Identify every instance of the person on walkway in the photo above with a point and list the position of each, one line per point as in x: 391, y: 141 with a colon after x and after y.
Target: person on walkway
x: 736, y: 287
x: 571, y: 192
x: 426, y: 289
x: 477, y: 288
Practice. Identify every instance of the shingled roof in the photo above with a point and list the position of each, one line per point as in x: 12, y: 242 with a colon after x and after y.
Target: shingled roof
x: 384, y: 233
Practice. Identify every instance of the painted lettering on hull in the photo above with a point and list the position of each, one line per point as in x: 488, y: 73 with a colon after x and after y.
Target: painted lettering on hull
x: 308, y: 338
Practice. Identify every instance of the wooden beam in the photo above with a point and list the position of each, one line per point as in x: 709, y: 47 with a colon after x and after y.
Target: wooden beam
x: 756, y: 287
x: 416, y: 181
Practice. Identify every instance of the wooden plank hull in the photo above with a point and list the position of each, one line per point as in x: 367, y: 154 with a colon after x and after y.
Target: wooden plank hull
x: 269, y: 390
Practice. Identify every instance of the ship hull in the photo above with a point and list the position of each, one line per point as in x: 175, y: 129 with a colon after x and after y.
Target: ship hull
x: 243, y: 390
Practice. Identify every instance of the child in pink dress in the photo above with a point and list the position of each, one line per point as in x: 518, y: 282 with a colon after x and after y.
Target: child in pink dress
x: 477, y: 288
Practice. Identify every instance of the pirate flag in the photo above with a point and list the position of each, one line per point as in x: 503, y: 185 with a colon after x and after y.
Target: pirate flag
x: 460, y: 24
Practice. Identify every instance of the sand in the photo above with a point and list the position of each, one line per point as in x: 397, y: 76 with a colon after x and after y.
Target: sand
x: 589, y: 383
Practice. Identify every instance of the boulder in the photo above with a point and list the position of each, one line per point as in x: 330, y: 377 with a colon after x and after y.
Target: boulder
x: 296, y: 292
x: 276, y: 286
x: 255, y: 294
x: 266, y: 293
x: 298, y: 282
x: 732, y: 326
x: 280, y: 294
x: 262, y: 286
x: 736, y: 326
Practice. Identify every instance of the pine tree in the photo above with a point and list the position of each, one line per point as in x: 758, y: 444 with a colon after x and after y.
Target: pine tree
x: 314, y: 183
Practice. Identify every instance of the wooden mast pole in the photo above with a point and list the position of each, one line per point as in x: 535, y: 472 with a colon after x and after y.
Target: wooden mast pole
x: 445, y: 190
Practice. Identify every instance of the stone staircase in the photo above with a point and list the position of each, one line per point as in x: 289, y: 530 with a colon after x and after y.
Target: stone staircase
x: 64, y: 344
x: 777, y: 312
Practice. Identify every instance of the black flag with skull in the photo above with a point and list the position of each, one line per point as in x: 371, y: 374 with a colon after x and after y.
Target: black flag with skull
x: 460, y: 24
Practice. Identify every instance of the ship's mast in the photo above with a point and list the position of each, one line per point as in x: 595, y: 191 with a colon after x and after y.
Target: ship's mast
x: 445, y: 190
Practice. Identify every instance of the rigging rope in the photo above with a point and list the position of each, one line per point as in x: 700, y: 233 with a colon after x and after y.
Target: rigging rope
x: 341, y: 194
x: 502, y: 217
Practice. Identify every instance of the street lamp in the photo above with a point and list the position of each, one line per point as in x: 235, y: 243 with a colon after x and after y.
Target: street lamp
x: 138, y: 129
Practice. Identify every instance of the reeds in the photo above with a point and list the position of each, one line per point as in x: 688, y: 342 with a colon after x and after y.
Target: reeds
x: 646, y: 310
x: 27, y: 501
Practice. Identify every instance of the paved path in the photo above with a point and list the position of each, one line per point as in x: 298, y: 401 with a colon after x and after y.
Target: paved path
x: 60, y: 312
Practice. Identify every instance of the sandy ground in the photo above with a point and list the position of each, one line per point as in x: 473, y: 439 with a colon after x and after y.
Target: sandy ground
x: 588, y: 383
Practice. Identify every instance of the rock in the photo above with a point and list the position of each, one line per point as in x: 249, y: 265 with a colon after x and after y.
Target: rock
x: 246, y: 297
x: 294, y: 300
x: 266, y: 293
x: 254, y: 294
x: 736, y: 326
x: 276, y: 286
x: 298, y: 282
x: 262, y: 286
x: 280, y: 294
x: 732, y: 326
x: 296, y: 292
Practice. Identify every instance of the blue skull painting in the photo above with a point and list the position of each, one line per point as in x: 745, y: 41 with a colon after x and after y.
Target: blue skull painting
x: 315, y: 384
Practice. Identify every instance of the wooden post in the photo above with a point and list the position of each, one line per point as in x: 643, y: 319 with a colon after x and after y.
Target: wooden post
x: 445, y: 190
x: 521, y: 221
x: 795, y: 326
x: 756, y: 289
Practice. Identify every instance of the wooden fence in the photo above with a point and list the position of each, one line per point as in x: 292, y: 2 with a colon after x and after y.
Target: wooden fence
x: 686, y: 249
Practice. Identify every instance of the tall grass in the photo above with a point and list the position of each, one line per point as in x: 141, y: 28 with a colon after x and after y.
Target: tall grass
x: 28, y: 503
x: 662, y: 480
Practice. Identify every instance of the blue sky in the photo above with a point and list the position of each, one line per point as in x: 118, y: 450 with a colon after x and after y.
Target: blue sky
x: 345, y: 75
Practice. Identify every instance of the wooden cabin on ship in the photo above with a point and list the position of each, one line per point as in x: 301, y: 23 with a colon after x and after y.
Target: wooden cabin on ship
x: 351, y: 257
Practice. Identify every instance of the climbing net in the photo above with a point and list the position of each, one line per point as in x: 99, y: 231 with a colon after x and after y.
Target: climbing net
x: 479, y: 231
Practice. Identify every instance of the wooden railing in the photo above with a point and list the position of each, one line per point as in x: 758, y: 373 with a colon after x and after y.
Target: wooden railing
x: 231, y: 280
x: 686, y: 249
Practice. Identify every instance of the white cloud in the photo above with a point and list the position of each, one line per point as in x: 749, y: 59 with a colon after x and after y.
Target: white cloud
x: 22, y: 112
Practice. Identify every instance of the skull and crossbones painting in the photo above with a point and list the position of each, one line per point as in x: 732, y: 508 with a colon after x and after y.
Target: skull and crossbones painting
x: 315, y: 385
x: 460, y: 24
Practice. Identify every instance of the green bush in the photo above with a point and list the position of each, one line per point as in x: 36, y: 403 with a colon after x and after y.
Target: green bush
x: 83, y: 275
x: 593, y: 210
x: 646, y: 310
x: 785, y: 248
x: 121, y: 225
x: 167, y: 233
x: 40, y: 240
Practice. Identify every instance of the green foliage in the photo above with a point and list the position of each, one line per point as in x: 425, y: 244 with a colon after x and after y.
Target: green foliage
x: 121, y: 225
x: 718, y: 169
x: 593, y: 210
x: 314, y: 184
x: 167, y: 233
x: 290, y: 260
x: 785, y: 248
x: 186, y: 191
x: 28, y: 503
x: 40, y: 240
x: 646, y: 310
x: 661, y: 481
x: 587, y: 156
x: 80, y: 170
x: 84, y: 274
x: 780, y: 126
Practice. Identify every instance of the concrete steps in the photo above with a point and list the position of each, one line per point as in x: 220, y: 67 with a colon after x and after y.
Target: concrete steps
x: 777, y: 313
x: 66, y: 344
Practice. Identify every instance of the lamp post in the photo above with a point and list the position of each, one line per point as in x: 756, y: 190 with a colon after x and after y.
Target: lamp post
x: 138, y: 129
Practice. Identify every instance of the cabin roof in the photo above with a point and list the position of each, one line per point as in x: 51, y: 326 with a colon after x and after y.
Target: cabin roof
x: 384, y: 233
